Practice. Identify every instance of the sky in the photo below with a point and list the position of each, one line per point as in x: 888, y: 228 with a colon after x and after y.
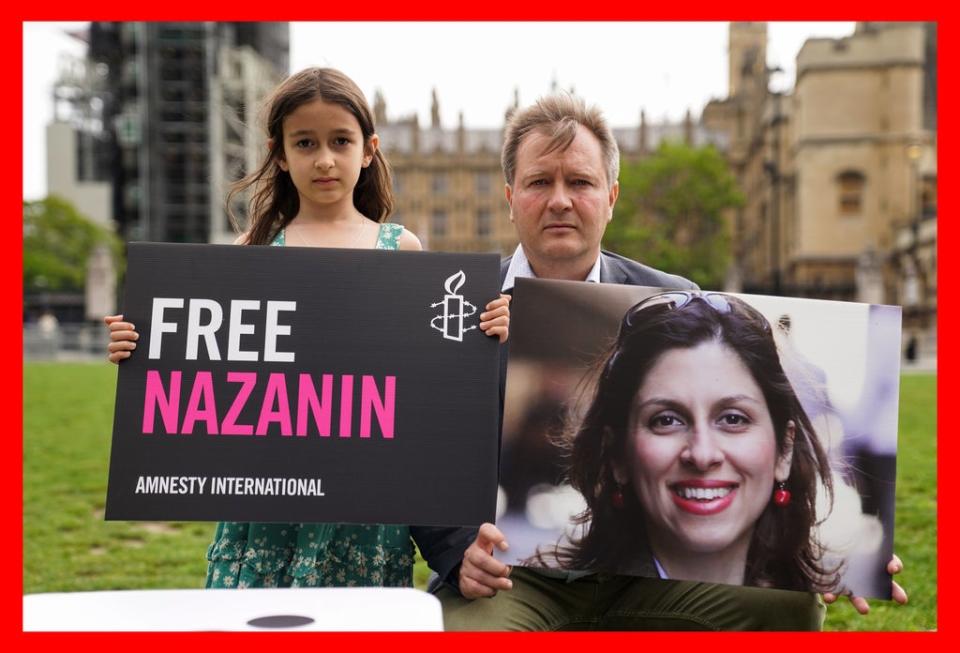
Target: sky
x: 623, y: 67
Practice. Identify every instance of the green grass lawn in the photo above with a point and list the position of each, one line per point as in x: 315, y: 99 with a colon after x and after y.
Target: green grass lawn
x: 67, y: 422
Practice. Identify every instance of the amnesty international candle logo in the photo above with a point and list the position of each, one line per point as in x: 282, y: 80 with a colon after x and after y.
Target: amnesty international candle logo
x: 455, y: 309
x: 323, y: 400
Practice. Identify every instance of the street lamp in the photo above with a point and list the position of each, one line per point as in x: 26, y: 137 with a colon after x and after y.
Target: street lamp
x: 913, y: 154
x: 772, y: 168
x: 911, y: 293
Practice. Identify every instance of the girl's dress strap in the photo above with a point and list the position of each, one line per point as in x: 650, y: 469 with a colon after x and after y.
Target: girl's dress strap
x: 389, y: 236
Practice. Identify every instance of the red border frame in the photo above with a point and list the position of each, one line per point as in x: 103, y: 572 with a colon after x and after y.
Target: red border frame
x: 11, y: 489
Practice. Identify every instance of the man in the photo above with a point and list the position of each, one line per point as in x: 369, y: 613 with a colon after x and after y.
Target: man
x: 561, y: 163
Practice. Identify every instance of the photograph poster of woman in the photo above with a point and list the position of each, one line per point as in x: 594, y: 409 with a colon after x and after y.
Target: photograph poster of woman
x: 727, y: 438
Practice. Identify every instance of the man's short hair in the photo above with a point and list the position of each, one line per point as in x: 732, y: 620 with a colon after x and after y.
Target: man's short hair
x: 557, y: 116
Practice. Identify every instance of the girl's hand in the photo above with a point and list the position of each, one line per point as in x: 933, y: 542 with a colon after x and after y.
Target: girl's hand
x: 495, y: 320
x: 123, y: 337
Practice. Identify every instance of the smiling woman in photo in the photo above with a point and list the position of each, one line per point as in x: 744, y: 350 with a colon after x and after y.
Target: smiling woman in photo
x: 695, y: 457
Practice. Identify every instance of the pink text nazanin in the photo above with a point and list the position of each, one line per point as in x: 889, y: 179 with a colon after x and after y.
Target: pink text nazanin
x: 277, y: 406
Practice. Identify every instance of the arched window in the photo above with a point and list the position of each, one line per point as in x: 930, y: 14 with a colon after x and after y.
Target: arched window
x: 850, y: 185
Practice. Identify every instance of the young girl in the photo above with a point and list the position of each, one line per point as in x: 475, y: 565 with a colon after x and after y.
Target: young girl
x: 323, y: 183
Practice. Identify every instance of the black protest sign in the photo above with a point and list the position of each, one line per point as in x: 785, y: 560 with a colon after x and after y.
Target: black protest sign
x: 307, y: 385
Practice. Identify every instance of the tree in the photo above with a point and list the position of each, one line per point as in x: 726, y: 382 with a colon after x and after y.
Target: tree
x: 670, y: 212
x: 57, y: 241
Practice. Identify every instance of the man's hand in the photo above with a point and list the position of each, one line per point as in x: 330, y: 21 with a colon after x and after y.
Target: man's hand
x: 495, y: 321
x: 480, y: 573
x: 895, y: 566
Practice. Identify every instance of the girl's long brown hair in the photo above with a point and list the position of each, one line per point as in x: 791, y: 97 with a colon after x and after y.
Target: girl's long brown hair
x: 275, y: 202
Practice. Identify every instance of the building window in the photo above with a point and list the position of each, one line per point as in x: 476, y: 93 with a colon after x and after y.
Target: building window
x: 438, y: 223
x: 483, y: 183
x: 483, y: 223
x: 131, y: 197
x: 928, y: 196
x: 439, y: 185
x: 850, y: 185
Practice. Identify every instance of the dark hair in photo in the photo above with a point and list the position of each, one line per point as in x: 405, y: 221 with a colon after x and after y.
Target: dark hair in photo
x: 783, y: 552
x: 275, y: 202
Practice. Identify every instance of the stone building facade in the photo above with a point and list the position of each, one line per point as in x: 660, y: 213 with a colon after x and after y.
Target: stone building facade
x: 835, y: 167
x: 840, y: 173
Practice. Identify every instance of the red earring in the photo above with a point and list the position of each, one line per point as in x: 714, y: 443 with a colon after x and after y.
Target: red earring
x: 616, y: 498
x: 781, y: 496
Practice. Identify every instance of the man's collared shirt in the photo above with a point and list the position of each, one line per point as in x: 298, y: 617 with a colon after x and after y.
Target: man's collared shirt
x: 520, y: 267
